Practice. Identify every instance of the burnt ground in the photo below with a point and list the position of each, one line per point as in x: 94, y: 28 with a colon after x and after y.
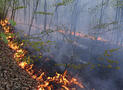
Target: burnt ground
x: 12, y: 77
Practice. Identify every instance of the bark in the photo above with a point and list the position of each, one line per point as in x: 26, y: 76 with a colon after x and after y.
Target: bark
x: 33, y: 17
x: 45, y: 16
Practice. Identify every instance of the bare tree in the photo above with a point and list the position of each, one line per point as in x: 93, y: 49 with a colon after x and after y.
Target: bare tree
x: 33, y: 15
x: 45, y: 16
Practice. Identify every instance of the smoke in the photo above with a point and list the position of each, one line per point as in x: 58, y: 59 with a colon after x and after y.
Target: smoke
x: 79, y: 16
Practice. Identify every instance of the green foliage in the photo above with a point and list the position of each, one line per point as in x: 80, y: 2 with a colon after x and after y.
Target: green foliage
x: 19, y: 7
x: 113, y: 50
x: 3, y: 36
x: 40, y: 56
x: 117, y: 3
x: 13, y: 23
x: 38, y: 45
x: 109, y: 52
x: 60, y: 4
x: 110, y: 64
x: 14, y: 5
x: 105, y: 25
x: 110, y: 61
x: 44, y: 13
x: 117, y: 68
x: 27, y: 59
x: 97, y: 7
x: 11, y: 34
x: 92, y: 66
x: 67, y: 1
x: 107, y: 55
x: 3, y: 7
x: 64, y: 3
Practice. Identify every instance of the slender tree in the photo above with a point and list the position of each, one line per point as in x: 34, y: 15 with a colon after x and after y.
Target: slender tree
x: 33, y: 15
x: 45, y: 16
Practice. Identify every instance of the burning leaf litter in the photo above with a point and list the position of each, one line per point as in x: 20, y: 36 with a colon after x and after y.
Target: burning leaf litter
x: 45, y: 82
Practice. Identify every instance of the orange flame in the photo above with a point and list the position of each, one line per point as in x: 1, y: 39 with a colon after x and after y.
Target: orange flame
x: 22, y: 64
x: 82, y: 35
x: 45, y: 83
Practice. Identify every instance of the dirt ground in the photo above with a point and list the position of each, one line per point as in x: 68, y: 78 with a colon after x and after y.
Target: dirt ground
x: 12, y: 77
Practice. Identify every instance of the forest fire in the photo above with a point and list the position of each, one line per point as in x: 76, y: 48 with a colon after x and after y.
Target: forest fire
x: 78, y: 34
x: 62, y: 81
x: 22, y: 64
x: 82, y: 35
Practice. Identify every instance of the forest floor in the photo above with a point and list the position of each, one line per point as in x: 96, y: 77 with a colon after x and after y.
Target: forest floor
x: 12, y: 77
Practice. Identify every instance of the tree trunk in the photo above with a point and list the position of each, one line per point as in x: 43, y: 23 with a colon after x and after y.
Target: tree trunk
x: 33, y: 17
x: 45, y: 16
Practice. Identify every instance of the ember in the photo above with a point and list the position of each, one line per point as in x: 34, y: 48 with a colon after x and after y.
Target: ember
x: 82, y: 35
x: 46, y: 82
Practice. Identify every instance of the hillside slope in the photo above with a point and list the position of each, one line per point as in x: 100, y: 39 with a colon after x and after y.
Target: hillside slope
x: 11, y: 76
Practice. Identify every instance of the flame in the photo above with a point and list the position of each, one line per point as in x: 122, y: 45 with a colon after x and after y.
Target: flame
x: 79, y: 34
x: 43, y: 79
x: 22, y: 64
x: 82, y: 35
